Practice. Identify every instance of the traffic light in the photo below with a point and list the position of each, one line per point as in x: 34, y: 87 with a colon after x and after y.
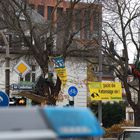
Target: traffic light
x: 21, y: 101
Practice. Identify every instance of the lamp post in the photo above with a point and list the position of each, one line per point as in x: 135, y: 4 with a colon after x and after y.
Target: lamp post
x: 7, y: 63
x: 100, y: 63
x: 100, y: 80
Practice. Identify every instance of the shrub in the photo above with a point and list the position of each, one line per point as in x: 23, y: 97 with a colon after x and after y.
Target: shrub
x: 112, y: 113
x: 114, y: 130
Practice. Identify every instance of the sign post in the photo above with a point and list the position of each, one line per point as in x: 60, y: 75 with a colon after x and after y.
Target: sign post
x: 7, y: 63
x: 72, y: 91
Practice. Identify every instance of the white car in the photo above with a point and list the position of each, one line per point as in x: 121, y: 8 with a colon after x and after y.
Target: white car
x: 130, y: 133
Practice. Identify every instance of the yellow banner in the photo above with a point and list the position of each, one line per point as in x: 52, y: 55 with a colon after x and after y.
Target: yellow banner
x: 105, y: 90
x: 62, y: 73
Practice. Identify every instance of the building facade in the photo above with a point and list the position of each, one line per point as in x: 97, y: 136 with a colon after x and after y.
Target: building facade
x: 90, y: 14
x: 76, y: 67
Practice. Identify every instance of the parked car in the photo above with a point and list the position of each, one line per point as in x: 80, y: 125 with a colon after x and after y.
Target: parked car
x: 130, y: 133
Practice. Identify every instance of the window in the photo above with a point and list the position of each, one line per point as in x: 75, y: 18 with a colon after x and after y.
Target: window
x: 21, y: 78
x: 95, y: 68
x: 32, y: 6
x: 78, y: 22
x: 130, y: 116
x: 87, y: 31
x: 29, y: 77
x: 33, y: 73
x: 41, y: 9
x: 1, y: 41
x: 68, y: 10
x: 96, y: 24
x: 107, y: 69
x: 50, y: 10
x: 132, y: 135
x: 59, y: 11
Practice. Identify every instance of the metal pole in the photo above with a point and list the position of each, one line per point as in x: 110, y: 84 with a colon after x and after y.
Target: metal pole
x: 7, y: 63
x: 71, y: 101
x: 7, y: 75
x: 100, y: 80
x: 100, y: 64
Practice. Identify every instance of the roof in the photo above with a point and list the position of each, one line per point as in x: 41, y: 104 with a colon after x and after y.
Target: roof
x: 35, y: 17
x: 134, y: 82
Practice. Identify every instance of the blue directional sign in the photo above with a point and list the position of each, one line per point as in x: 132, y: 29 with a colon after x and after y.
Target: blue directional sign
x: 72, y: 91
x: 4, y: 99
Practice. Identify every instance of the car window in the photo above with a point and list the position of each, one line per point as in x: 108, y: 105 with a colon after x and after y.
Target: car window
x: 132, y: 135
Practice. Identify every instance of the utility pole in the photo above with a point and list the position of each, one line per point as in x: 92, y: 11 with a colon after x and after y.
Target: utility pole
x: 100, y: 80
x: 100, y: 63
x: 139, y: 37
x: 7, y: 63
x: 7, y: 68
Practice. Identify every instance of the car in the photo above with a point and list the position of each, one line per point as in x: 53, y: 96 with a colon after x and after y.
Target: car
x: 48, y: 123
x: 130, y: 133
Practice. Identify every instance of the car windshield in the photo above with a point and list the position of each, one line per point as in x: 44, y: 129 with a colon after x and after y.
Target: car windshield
x: 135, y: 135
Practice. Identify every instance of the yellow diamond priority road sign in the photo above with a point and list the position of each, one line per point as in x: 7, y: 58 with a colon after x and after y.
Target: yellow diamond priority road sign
x: 22, y: 68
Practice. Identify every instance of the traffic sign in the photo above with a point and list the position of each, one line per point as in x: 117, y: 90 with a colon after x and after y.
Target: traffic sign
x: 72, y: 91
x: 22, y: 68
x: 4, y: 99
x: 23, y: 85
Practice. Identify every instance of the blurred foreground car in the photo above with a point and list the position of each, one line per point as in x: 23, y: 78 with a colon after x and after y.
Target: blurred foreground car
x: 47, y: 123
x: 130, y: 133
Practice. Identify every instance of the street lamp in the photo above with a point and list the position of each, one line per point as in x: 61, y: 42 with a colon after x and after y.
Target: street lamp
x: 7, y: 63
x: 100, y: 63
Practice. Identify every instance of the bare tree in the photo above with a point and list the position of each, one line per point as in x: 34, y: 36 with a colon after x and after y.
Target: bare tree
x: 120, y: 26
x: 47, y: 38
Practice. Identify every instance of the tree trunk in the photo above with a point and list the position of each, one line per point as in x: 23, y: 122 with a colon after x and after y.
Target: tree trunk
x: 137, y: 116
x: 46, y: 88
x: 46, y: 92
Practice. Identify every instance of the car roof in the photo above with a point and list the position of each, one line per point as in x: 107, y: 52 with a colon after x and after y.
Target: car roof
x: 131, y: 128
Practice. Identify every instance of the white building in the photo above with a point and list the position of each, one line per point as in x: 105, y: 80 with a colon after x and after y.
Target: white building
x: 76, y: 76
